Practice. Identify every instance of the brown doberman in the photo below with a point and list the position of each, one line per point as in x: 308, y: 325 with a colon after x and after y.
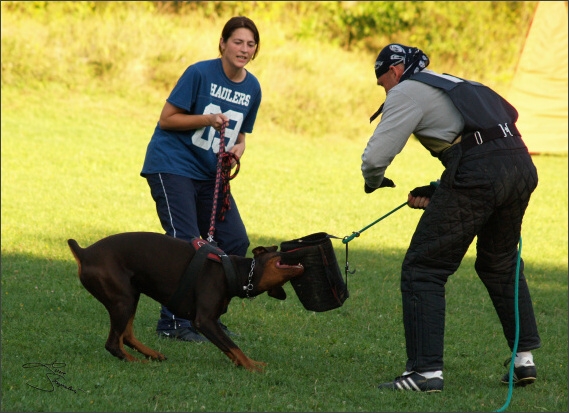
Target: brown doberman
x: 195, y: 280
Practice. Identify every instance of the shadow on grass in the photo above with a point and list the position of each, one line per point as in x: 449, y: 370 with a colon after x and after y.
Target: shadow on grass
x: 48, y: 316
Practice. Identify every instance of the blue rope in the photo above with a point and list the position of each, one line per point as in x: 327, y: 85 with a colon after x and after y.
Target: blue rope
x: 355, y: 234
x: 347, y: 239
x: 515, y: 349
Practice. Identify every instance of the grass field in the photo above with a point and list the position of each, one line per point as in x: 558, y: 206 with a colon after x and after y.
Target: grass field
x: 70, y: 165
x: 72, y: 147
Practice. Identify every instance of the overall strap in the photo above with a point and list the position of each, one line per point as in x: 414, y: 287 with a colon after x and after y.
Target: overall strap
x: 481, y: 107
x: 487, y: 115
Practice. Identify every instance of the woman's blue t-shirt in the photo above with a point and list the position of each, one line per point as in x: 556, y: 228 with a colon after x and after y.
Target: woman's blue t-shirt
x: 203, y: 89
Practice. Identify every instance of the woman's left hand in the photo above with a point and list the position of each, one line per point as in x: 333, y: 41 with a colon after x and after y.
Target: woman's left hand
x: 238, y: 150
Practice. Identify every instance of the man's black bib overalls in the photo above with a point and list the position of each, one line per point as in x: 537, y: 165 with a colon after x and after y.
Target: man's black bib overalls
x: 484, y: 192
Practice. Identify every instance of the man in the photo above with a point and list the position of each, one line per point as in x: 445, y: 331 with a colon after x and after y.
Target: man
x: 483, y: 192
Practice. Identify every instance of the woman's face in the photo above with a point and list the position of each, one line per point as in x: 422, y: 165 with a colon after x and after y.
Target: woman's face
x: 239, y: 48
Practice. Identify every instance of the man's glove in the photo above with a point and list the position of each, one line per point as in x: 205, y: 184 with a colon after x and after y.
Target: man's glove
x: 424, y: 191
x: 385, y: 183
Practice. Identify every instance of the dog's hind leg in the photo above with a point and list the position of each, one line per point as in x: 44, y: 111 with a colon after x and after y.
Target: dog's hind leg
x: 130, y: 340
x: 111, y: 286
x: 121, y: 314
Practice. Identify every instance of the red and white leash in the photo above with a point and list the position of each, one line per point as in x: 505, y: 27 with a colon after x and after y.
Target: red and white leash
x: 223, y: 174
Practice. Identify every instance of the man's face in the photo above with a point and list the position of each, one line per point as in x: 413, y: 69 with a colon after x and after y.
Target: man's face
x: 390, y: 78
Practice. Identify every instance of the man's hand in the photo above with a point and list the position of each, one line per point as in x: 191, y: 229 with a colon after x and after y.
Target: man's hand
x: 420, y: 197
x: 418, y: 202
x: 424, y: 191
x: 385, y: 183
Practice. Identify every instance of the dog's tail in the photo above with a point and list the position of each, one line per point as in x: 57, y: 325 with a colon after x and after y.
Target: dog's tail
x: 76, y: 250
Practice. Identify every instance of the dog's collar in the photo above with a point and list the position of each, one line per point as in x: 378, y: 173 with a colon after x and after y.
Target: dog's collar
x: 236, y: 289
x: 249, y: 287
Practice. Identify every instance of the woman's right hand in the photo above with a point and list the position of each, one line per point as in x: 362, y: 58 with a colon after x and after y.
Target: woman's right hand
x: 217, y: 120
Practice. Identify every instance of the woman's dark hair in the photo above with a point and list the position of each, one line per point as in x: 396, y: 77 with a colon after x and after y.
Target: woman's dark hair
x: 239, y: 22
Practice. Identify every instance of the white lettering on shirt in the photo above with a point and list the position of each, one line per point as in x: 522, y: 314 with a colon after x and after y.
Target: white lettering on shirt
x: 229, y: 95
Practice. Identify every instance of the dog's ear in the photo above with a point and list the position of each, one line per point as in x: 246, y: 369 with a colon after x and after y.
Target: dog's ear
x: 277, y: 292
x: 261, y: 250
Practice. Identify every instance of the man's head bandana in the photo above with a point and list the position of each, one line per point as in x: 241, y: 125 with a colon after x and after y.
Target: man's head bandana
x: 393, y: 54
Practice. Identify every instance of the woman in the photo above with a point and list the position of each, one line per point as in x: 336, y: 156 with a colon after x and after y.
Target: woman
x: 181, y: 158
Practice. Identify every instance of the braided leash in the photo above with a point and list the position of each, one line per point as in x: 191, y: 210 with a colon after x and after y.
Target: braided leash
x: 222, y: 179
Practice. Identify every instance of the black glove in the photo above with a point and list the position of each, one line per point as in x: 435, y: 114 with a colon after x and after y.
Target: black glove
x: 424, y: 191
x: 386, y: 182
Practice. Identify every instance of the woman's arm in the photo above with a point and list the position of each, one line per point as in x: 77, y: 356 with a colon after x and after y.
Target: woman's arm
x: 174, y: 118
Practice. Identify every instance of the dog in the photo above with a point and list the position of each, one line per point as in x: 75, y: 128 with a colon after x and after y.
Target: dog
x: 120, y: 267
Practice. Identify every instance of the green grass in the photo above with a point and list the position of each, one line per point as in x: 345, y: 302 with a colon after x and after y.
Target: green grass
x: 71, y: 155
x: 70, y: 167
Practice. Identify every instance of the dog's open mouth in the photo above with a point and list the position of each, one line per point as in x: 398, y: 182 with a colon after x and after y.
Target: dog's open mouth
x: 282, y: 265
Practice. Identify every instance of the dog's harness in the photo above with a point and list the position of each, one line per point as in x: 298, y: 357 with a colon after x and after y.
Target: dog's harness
x: 205, y: 250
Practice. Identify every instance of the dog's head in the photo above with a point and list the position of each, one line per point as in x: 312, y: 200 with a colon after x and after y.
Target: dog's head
x: 270, y: 273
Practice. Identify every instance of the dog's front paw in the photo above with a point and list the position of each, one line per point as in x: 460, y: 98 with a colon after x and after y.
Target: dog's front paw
x: 255, y: 366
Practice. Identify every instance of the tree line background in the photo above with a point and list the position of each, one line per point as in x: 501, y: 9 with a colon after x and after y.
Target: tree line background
x: 312, y: 53
x: 473, y: 37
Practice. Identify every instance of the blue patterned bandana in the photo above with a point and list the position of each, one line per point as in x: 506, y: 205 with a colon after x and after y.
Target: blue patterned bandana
x: 393, y: 54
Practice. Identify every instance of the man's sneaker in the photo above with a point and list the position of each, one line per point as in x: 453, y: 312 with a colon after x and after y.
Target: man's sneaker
x: 524, y: 374
x: 184, y: 334
x: 415, y: 382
